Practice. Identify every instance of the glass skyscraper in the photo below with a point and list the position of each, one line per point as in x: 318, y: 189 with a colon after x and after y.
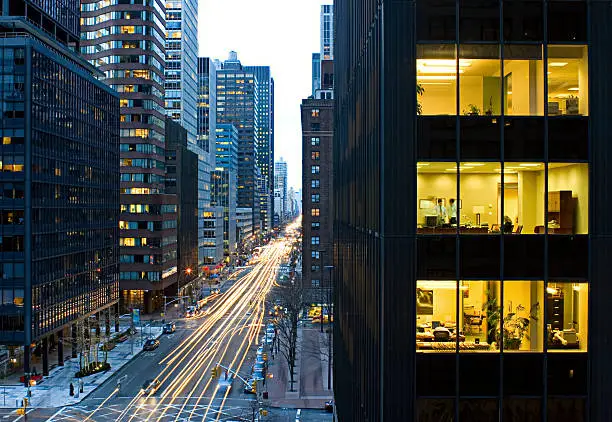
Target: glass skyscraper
x: 59, y: 185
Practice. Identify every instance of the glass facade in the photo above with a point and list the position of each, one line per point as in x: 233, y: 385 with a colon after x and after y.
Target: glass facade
x: 60, y: 193
x: 468, y: 212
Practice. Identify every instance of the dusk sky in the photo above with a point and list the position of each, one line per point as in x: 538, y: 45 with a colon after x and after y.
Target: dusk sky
x: 280, y: 33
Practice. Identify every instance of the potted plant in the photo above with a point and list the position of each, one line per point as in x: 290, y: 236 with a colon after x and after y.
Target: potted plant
x: 420, y: 90
x: 515, y: 323
x: 472, y: 110
x: 571, y: 105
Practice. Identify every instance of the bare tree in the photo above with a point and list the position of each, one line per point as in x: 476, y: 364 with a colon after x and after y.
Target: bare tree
x: 290, y: 297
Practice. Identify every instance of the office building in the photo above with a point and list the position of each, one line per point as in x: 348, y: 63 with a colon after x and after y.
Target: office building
x: 471, y: 211
x: 225, y: 183
x: 317, y: 247
x: 237, y: 104
x: 327, y: 32
x: 265, y: 142
x: 280, y: 191
x: 316, y: 73
x: 182, y: 181
x: 132, y: 59
x: 210, y: 238
x: 244, y: 224
x: 60, y: 185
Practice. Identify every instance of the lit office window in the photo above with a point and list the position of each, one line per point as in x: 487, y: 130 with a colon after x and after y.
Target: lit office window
x: 315, y: 212
x: 315, y: 142
x: 314, y: 112
x: 523, y: 198
x: 522, y: 322
x: 523, y: 81
x: 436, y: 310
x: 567, y: 316
x: 437, y: 79
x: 568, y: 198
x: 315, y: 169
x: 315, y: 183
x: 479, y: 80
x: 315, y: 155
x: 568, y: 80
x: 479, y: 312
x: 436, y: 186
x: 315, y: 198
x: 315, y: 240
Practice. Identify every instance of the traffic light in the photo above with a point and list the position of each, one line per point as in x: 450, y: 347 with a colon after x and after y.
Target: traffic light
x: 265, y: 356
x: 215, y: 372
x: 25, y: 402
x: 263, y: 412
x: 254, y: 386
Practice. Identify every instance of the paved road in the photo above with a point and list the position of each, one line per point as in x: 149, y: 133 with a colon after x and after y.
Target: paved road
x: 228, y: 334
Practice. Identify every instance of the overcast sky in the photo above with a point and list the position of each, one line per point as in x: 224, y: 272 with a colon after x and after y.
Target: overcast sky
x: 281, y: 34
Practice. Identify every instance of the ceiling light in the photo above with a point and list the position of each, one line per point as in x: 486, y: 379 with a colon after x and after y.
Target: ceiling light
x: 529, y: 165
x: 438, y: 69
x: 573, y: 89
x: 509, y: 92
x: 447, y: 63
x: 557, y: 64
x: 474, y: 164
x: 436, y: 77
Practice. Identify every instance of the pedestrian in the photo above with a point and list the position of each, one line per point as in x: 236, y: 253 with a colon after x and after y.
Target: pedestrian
x: 71, y: 389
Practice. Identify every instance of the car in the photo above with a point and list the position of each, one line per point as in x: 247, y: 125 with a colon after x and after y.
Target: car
x: 150, y: 387
x: 151, y: 344
x: 329, y: 406
x: 169, y: 328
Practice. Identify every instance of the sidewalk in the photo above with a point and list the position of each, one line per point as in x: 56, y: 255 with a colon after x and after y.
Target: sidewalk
x: 310, y: 374
x: 54, y: 390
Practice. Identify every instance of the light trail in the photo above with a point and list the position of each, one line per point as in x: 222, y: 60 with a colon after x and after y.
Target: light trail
x: 190, y: 362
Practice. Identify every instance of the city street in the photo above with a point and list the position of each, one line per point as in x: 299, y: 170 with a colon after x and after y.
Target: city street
x: 228, y: 333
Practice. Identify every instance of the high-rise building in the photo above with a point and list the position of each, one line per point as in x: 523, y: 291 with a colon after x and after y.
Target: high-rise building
x: 237, y: 104
x: 265, y: 145
x: 129, y: 48
x: 316, y: 73
x: 59, y: 260
x: 210, y: 238
x: 317, y: 138
x: 280, y: 191
x: 327, y: 32
x: 225, y: 183
x: 182, y: 181
x: 181, y: 95
x: 471, y: 199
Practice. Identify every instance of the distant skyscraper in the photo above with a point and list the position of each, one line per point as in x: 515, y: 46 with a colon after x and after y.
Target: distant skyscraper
x: 237, y: 104
x: 280, y: 191
x: 265, y: 147
x: 59, y: 256
x: 130, y: 49
x: 225, y: 179
x: 209, y: 247
x: 327, y: 32
x: 316, y: 72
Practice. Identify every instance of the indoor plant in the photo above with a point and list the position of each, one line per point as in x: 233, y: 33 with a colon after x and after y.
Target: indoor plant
x: 515, y: 322
x: 472, y: 110
x: 420, y: 90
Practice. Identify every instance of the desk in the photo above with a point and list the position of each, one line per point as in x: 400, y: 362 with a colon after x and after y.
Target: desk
x: 450, y: 346
x: 452, y: 230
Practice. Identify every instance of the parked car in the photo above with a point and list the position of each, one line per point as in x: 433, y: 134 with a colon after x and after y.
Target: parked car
x: 151, y: 344
x: 169, y: 328
x: 329, y: 406
x: 150, y: 386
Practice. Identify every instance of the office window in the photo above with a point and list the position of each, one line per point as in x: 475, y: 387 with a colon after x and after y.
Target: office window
x: 436, y: 186
x: 316, y: 255
x: 522, y: 323
x: 315, y: 169
x: 314, y: 112
x: 315, y: 283
x: 315, y: 142
x: 479, y: 20
x: 524, y: 139
x: 315, y: 198
x: 568, y: 80
x: 315, y: 183
x: 523, y: 20
x: 315, y: 212
x: 523, y: 82
x: 567, y: 316
x: 315, y: 127
x: 479, y: 80
x: 436, y: 310
x: 568, y: 198
x: 315, y: 225
x: 315, y: 268
x: 567, y: 21
x: 315, y: 155
x: 480, y: 190
x: 437, y: 79
x: 479, y: 316
x: 315, y: 240
x: 523, y: 198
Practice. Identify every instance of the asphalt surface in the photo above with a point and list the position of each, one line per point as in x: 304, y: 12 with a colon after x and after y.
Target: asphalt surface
x: 227, y: 334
